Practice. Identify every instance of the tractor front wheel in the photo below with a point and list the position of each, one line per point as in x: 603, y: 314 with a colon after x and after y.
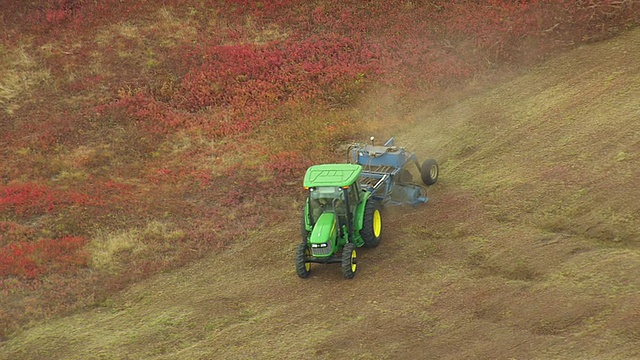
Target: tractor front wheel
x: 349, y: 263
x: 372, y: 224
x: 303, y: 267
x: 429, y: 172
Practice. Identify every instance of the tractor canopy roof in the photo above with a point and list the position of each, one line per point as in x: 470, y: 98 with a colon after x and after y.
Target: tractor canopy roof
x: 332, y: 175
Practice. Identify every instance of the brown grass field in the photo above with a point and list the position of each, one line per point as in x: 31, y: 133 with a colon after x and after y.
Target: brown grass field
x: 528, y: 249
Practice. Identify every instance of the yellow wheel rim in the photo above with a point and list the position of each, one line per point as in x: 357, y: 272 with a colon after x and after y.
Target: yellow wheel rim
x: 377, y: 223
x: 307, y: 265
x: 353, y: 261
x: 433, y: 172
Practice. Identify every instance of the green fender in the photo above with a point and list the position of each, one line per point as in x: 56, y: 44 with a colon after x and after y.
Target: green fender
x: 359, y: 219
x: 359, y: 215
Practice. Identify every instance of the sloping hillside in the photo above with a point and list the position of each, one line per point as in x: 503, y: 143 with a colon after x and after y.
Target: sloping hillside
x: 528, y: 248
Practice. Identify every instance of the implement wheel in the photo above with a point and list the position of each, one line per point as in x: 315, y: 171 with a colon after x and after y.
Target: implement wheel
x: 303, y: 268
x: 372, y: 224
x: 349, y: 263
x: 429, y: 172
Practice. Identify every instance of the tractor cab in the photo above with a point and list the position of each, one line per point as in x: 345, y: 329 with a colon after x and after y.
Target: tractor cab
x: 341, y: 201
x: 325, y: 198
x: 333, y: 188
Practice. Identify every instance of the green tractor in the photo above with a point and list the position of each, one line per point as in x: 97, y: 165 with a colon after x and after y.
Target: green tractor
x: 342, y: 209
x: 338, y: 217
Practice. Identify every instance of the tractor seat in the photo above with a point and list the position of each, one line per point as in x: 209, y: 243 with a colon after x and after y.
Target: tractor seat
x: 341, y: 211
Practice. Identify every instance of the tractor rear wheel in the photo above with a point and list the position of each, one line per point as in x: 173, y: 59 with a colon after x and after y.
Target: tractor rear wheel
x: 349, y: 263
x: 303, y: 267
x: 429, y: 172
x: 372, y: 224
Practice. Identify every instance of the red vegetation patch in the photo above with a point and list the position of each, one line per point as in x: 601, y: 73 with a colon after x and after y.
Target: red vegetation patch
x: 13, y: 232
x: 287, y: 165
x: 31, y: 259
x: 29, y: 199
x: 256, y: 77
x: 230, y: 89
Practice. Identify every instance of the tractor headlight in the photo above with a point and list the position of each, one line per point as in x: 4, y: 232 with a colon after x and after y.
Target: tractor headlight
x: 323, y: 245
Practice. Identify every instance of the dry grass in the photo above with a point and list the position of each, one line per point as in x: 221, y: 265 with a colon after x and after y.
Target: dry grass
x: 20, y: 75
x: 105, y: 247
x: 110, y: 249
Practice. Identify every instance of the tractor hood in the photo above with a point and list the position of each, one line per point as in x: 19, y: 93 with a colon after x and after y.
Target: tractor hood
x: 324, y: 229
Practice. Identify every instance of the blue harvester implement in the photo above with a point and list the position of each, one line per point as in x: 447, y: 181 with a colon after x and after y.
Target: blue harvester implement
x: 385, y: 173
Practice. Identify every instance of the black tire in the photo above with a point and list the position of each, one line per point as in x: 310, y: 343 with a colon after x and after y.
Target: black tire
x: 303, y: 268
x: 429, y: 172
x: 349, y: 261
x: 372, y: 224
